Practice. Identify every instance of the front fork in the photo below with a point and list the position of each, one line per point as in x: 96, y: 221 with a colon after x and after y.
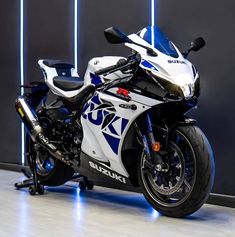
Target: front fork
x: 152, y: 148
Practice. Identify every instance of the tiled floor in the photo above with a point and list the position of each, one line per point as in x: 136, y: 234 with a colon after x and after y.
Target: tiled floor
x: 64, y: 211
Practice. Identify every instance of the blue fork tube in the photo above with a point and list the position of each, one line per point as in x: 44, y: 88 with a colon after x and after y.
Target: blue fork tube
x: 156, y: 158
x: 146, y: 146
x: 150, y: 129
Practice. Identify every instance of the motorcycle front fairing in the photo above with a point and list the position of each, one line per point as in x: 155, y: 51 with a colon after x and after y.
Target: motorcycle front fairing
x: 106, y: 120
x: 169, y: 64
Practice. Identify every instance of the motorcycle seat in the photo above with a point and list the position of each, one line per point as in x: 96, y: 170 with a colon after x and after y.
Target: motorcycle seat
x: 57, y: 63
x: 77, y: 102
x: 68, y: 83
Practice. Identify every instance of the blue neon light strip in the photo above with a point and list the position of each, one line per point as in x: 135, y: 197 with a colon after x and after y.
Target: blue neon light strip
x: 152, y: 20
x: 22, y: 75
x: 152, y: 12
x: 76, y: 34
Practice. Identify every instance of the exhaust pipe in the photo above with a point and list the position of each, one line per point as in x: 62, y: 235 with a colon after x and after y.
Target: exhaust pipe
x: 30, y: 119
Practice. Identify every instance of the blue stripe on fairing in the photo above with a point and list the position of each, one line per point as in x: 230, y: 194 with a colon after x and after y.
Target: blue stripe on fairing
x: 112, y: 141
x: 96, y: 80
x: 147, y: 64
x: 98, y: 120
x: 124, y: 123
x: 112, y: 129
x: 110, y: 126
x: 96, y: 100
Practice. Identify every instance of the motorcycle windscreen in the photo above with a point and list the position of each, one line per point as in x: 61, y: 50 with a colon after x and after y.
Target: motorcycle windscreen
x: 154, y: 36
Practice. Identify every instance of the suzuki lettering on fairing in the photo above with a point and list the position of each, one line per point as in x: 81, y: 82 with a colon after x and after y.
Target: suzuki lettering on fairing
x: 107, y: 172
x: 125, y: 122
x: 97, y: 116
x: 176, y: 61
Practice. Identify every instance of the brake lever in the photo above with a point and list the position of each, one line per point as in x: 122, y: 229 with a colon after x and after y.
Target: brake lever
x: 132, y: 62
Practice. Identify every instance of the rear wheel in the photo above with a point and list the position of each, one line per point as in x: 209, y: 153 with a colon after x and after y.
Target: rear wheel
x: 50, y: 171
x: 185, y: 183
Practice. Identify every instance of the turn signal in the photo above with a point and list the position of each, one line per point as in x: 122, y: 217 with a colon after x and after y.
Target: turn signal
x: 156, y: 146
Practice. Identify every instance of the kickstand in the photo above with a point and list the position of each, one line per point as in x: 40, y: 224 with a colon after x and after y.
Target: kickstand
x: 27, y: 182
x: 32, y: 181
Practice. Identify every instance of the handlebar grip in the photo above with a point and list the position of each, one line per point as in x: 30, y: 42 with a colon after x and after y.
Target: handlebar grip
x: 120, y: 63
x: 104, y: 70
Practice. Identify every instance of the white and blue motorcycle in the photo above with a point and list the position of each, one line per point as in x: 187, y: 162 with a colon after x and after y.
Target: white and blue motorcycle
x: 124, y: 123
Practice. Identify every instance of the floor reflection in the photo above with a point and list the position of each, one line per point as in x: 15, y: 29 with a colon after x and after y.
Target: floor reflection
x: 129, y: 199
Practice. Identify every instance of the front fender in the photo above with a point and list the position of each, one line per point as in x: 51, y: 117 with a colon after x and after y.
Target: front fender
x: 184, y: 120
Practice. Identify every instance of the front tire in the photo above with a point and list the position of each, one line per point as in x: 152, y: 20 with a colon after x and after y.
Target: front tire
x: 185, y: 194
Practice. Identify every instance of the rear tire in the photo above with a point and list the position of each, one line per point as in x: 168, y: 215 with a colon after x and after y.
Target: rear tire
x: 58, y: 175
x: 203, y: 180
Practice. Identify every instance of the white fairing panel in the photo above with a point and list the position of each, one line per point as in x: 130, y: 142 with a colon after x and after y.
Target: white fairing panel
x: 103, y: 141
x: 50, y: 73
x: 178, y: 70
x: 99, y: 63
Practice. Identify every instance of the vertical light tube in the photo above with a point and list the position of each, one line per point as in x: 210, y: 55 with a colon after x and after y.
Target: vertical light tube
x: 76, y: 34
x: 22, y: 75
x: 152, y: 20
x: 152, y: 12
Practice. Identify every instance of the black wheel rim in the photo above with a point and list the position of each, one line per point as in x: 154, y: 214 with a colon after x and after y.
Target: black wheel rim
x: 174, y: 186
x: 44, y: 161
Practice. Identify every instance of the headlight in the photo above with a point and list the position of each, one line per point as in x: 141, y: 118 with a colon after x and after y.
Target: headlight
x: 188, y: 90
x: 172, y: 89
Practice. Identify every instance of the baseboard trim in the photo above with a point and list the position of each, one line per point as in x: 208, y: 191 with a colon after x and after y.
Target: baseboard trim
x: 11, y: 167
x: 215, y: 198
x: 221, y: 200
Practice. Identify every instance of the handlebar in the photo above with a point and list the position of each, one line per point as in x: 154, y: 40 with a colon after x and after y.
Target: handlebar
x: 122, y: 62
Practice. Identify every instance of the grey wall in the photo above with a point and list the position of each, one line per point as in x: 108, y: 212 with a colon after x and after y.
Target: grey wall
x: 9, y: 78
x: 48, y: 33
x: 214, y: 20
x: 95, y: 16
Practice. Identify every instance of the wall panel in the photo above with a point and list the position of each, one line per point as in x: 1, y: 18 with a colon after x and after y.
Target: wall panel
x: 95, y: 16
x: 9, y: 78
x: 48, y: 34
x: 214, y: 20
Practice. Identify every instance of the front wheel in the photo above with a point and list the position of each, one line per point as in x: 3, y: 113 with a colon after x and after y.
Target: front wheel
x: 184, y: 185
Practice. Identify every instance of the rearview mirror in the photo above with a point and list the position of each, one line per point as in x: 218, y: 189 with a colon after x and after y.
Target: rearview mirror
x: 197, y: 44
x: 115, y: 36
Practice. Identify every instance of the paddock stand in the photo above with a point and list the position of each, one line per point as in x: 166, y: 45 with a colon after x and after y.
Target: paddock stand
x: 35, y: 187
x: 84, y: 183
x: 31, y: 182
